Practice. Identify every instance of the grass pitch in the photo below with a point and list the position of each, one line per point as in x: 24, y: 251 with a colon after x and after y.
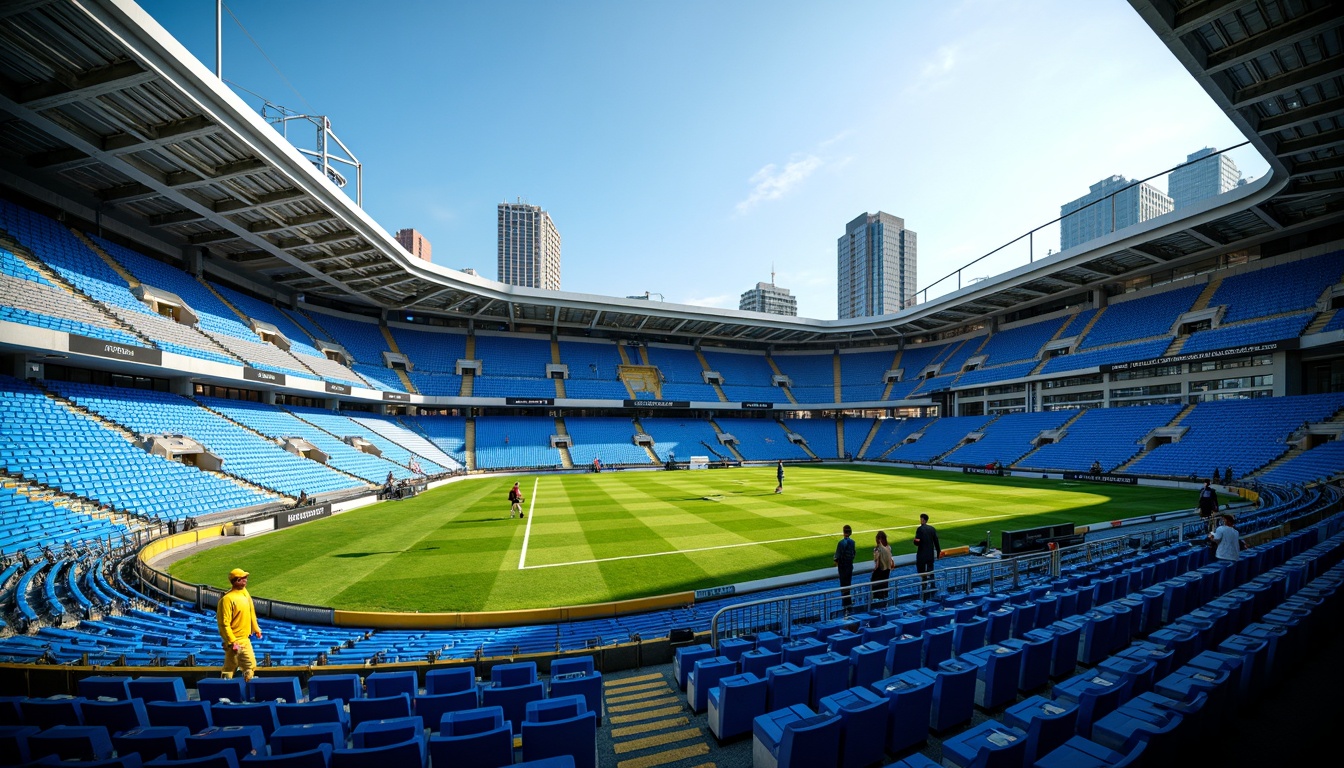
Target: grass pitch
x: 593, y: 538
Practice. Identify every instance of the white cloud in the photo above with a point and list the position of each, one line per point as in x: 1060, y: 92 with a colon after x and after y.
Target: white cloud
x: 720, y: 302
x: 944, y: 60
x: 773, y: 182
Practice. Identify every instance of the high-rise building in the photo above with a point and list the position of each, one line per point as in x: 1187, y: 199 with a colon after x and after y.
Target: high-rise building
x: 769, y: 298
x: 1203, y: 178
x: 1132, y: 203
x: 876, y: 257
x: 414, y: 243
x: 529, y: 247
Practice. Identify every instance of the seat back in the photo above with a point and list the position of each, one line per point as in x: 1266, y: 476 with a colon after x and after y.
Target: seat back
x: 276, y: 688
x: 810, y: 741
x: 45, y: 713
x: 309, y: 712
x: 320, y: 757
x: 158, y: 689
x: 407, y: 753
x: 382, y: 708
x: 343, y: 687
x: 212, y: 689
x: 105, y: 686
x: 116, y: 716
x: 510, y: 675
x: 384, y: 684
x: 260, y: 714
x: 441, y: 681
x: 192, y: 715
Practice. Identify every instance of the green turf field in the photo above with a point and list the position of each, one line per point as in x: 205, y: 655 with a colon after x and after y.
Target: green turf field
x: 593, y: 538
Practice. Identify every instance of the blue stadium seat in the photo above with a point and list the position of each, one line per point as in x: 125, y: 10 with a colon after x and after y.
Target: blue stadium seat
x: 289, y: 739
x: 383, y: 684
x: 795, y: 736
x: 343, y: 687
x: 192, y: 715
x: 735, y: 703
x: 704, y: 677
x: 284, y: 690
x: 318, y: 757
x: 479, y: 738
x: 909, y: 703
x: 381, y: 708
x: 574, y: 735
x: 239, y: 740
x: 116, y: 716
x: 863, y: 725
x: 381, y: 733
x: 990, y: 744
x: 1048, y: 724
x: 409, y: 753
x: 158, y: 689
x: 953, y: 695
x: 72, y: 742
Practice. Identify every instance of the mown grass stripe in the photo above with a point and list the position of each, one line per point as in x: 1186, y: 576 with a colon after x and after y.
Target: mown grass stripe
x: 652, y: 713
x: 609, y: 684
x: 663, y: 758
x: 643, y: 704
x: 635, y: 730
x: 658, y: 740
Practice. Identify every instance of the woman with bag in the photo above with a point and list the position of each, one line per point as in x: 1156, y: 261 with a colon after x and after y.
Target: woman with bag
x: 882, y: 564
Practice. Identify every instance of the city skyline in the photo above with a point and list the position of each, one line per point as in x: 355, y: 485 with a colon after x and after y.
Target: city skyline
x: 755, y: 148
x: 528, y: 250
x: 877, y: 265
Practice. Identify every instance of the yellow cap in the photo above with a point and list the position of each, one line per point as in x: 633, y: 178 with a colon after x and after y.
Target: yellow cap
x: 237, y: 573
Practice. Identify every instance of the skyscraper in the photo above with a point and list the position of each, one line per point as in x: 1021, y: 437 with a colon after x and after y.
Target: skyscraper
x: 529, y: 247
x: 414, y: 243
x: 1131, y: 204
x: 876, y: 257
x: 1206, y: 178
x: 769, y: 298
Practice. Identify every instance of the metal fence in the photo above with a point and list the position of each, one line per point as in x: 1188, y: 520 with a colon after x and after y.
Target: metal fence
x: 777, y: 614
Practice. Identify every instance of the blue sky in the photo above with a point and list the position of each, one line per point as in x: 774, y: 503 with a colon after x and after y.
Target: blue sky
x: 685, y: 148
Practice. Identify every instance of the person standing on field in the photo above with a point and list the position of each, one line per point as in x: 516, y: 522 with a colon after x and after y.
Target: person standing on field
x: 237, y: 618
x: 779, y: 476
x: 516, y: 502
x: 844, y: 565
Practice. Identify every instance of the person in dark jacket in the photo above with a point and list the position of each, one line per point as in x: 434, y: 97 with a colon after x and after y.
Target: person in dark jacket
x: 844, y: 564
x: 927, y: 549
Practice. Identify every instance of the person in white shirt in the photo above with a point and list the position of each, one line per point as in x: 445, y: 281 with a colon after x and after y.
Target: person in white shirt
x: 1226, y: 539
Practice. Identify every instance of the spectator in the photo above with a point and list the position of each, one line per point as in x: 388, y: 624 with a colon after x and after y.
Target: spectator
x: 844, y: 565
x: 1226, y: 540
x: 237, y: 618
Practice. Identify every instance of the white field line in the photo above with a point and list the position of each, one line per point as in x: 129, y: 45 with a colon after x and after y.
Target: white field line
x: 734, y: 546
x: 527, y: 533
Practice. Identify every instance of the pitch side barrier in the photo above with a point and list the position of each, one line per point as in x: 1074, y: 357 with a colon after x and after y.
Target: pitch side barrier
x: 777, y: 614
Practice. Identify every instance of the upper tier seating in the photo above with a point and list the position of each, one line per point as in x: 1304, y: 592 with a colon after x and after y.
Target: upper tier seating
x: 1291, y: 287
x: 1021, y: 343
x: 813, y: 376
x: 246, y: 455
x: 448, y: 433
x: 593, y: 369
x: 300, y: 342
x: 393, y: 430
x: 1109, y: 436
x: 513, y: 366
x: 681, y: 372
x: 27, y: 524
x: 610, y: 439
x: 684, y: 437
x: 939, y: 437
x: 856, y: 432
x: 761, y: 439
x: 342, y: 425
x: 215, y: 318
x: 515, y: 441
x: 1227, y: 336
x: 1241, y: 434
x: 1320, y: 463
x: 86, y: 271
x: 30, y: 299
x: 52, y: 445
x: 1141, y: 318
x: 1336, y: 323
x: 436, y: 350
x: 275, y: 423
x: 962, y: 351
x: 1143, y: 350
x: 891, y: 433
x: 1008, y: 438
x: 1077, y: 323
x: 997, y: 373
x: 819, y: 433
x: 862, y: 375
x: 746, y: 376
x: 362, y: 339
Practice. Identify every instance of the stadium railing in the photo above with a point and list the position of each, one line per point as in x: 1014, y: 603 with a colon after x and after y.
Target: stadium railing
x: 991, y: 574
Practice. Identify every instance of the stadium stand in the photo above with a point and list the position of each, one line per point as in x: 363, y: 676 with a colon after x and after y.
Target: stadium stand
x: 856, y: 431
x: 813, y: 376
x: 343, y: 425
x: 447, y: 433
x: 1241, y: 334
x: 247, y: 455
x: 593, y: 370
x: 1294, y: 286
x: 1008, y: 438
x: 684, y: 438
x: 1120, y: 353
x: 819, y: 433
x: 61, y: 448
x: 31, y: 519
x: 939, y: 437
x: 1108, y: 436
x: 310, y: 356
x: 762, y: 439
x: 1142, y: 317
x: 1323, y: 462
x: 1262, y: 426
x: 891, y: 433
x: 861, y: 375
x: 513, y: 367
x: 515, y: 441
x: 30, y: 299
x: 362, y: 339
x: 681, y: 371
x: 746, y: 376
x: 1023, y: 342
x: 399, y: 436
x: 610, y: 439
x: 1008, y: 372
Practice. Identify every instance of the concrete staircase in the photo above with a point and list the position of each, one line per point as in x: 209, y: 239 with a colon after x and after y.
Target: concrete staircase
x: 566, y: 460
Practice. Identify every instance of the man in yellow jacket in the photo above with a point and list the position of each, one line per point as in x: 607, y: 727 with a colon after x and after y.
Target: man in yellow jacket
x: 237, y: 623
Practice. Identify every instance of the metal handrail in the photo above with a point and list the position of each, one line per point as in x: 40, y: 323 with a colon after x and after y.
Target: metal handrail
x: 778, y: 613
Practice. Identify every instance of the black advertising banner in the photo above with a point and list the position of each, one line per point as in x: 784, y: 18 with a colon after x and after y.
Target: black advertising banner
x: 397, y: 397
x: 1113, y: 479
x: 306, y: 514
x: 266, y: 377
x: 337, y: 389
x: 1213, y: 354
x: 981, y: 471
x: 758, y: 406
x: 85, y: 345
x: 529, y: 401
x: 657, y: 404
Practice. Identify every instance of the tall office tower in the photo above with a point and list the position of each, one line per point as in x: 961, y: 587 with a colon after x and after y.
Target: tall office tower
x: 769, y: 298
x: 876, y: 258
x: 414, y: 243
x: 529, y: 247
x: 1201, y: 179
x: 1131, y: 204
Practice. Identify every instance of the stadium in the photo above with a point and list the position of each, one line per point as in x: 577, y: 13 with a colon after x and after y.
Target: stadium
x: 215, y: 357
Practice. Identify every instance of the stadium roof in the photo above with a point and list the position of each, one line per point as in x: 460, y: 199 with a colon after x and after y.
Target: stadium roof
x: 103, y: 113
